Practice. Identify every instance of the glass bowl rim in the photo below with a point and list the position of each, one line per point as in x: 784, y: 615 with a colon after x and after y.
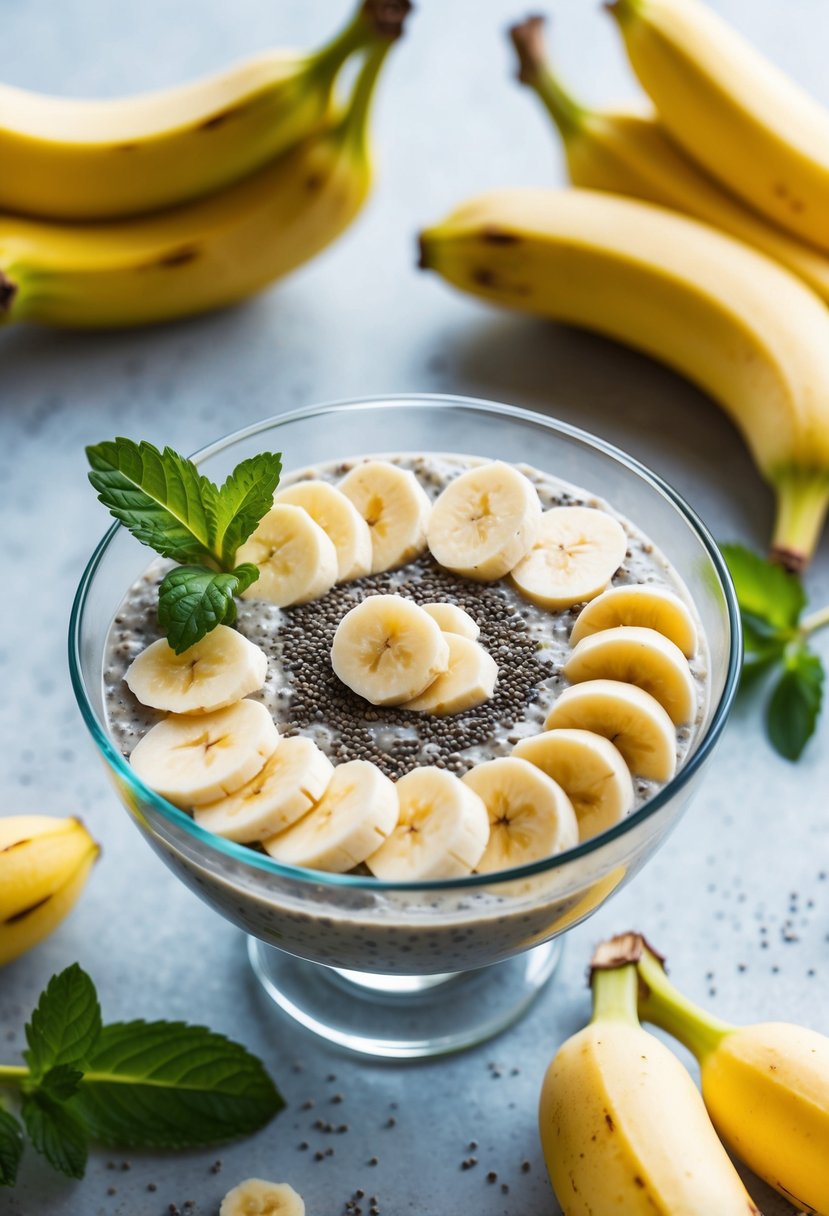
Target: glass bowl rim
x: 267, y: 865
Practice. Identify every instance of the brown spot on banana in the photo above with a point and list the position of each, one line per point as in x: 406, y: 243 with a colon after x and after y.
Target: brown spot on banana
x: 611, y: 1126
x: 8, y: 291
x: 218, y: 120
x: 18, y: 916
x: 497, y: 236
x: 176, y: 257
x: 126, y: 147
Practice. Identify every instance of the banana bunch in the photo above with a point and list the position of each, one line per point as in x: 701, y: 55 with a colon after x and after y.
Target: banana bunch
x: 739, y: 311
x: 150, y: 208
x: 44, y: 864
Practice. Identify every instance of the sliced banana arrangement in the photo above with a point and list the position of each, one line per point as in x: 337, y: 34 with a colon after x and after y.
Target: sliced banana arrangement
x: 256, y: 1197
x: 576, y: 552
x: 339, y: 519
x: 395, y: 507
x: 297, y: 560
x: 219, y: 670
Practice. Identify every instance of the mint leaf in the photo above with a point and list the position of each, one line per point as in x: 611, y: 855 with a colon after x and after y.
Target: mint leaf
x: 160, y: 496
x: 61, y: 1082
x: 765, y: 591
x: 57, y: 1132
x: 170, y: 1085
x: 11, y: 1147
x: 192, y: 601
x: 241, y: 502
x: 795, y: 703
x: 66, y: 1023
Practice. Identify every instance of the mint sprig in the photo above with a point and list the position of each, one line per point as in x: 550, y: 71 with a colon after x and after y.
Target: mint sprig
x: 126, y: 1085
x: 166, y: 503
x: 776, y: 636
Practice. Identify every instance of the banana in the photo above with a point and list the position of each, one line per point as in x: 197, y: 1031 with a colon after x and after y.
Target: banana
x: 469, y: 680
x: 640, y: 604
x: 191, y: 760
x: 591, y: 771
x: 44, y: 865
x: 733, y: 111
x: 631, y: 153
x: 297, y: 560
x: 339, y: 519
x: 442, y: 830
x: 395, y: 507
x: 704, y: 303
x: 643, y: 657
x: 766, y: 1087
x: 293, y: 779
x: 622, y: 1125
x: 201, y: 255
x: 357, y: 812
x: 631, y: 718
x: 221, y: 668
x: 256, y: 1197
x: 530, y: 816
x: 576, y: 552
x: 484, y: 522
x: 388, y: 650
x: 452, y: 619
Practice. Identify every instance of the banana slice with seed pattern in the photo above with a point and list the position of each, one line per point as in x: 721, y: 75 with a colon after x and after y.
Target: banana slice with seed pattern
x: 352, y: 819
x: 642, y: 657
x: 530, y: 816
x: 484, y: 522
x: 339, y: 519
x: 576, y: 553
x: 453, y: 619
x: 396, y: 508
x: 639, y: 604
x: 297, y: 561
x: 631, y: 718
x: 442, y: 830
x: 193, y: 759
x: 388, y: 650
x: 256, y: 1197
x: 468, y: 681
x: 591, y: 771
x: 221, y: 668
x: 294, y: 778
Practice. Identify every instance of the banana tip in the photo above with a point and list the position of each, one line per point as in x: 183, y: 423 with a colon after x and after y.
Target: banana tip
x: 422, y: 253
x: 387, y: 16
x: 528, y: 39
x: 621, y: 951
x: 793, y: 560
x: 8, y: 291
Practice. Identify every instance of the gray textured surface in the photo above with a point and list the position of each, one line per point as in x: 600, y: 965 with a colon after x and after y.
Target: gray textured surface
x: 361, y: 321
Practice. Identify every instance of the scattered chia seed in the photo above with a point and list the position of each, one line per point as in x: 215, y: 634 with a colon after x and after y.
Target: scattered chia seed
x: 525, y: 1167
x: 491, y: 1177
x: 374, y: 1160
x: 151, y: 1186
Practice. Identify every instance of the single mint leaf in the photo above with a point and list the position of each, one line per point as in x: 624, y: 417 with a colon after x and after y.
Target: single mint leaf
x: 66, y: 1023
x: 160, y: 496
x: 170, y: 1085
x: 57, y: 1132
x: 61, y: 1082
x: 795, y: 703
x: 241, y: 502
x: 11, y: 1147
x: 765, y: 591
x: 192, y: 601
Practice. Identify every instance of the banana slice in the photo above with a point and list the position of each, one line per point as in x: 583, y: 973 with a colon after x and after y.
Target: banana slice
x: 484, y: 522
x: 642, y: 657
x: 396, y: 508
x: 639, y: 604
x: 193, y: 759
x: 217, y: 671
x: 452, y: 619
x: 530, y: 816
x: 294, y: 778
x: 355, y: 815
x: 468, y: 681
x: 255, y: 1197
x: 629, y: 717
x: 591, y: 771
x: 339, y: 519
x: 442, y: 830
x: 388, y: 650
x: 297, y: 561
x: 576, y: 553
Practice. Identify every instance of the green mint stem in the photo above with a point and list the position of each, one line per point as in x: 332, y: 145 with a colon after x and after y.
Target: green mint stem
x: 665, y: 1006
x: 614, y: 994
x: 814, y: 622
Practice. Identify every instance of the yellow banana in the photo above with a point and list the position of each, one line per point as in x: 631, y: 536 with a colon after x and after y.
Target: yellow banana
x: 622, y: 1125
x: 44, y: 864
x: 199, y: 256
x: 88, y: 160
x: 736, y: 323
x: 766, y: 1088
x: 630, y: 153
x: 732, y: 110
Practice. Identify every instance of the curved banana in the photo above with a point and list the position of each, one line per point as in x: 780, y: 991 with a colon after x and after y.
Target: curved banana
x: 622, y: 1125
x: 629, y: 153
x: 88, y: 160
x: 733, y: 321
x: 766, y: 1088
x: 200, y: 256
x: 44, y: 864
x: 736, y: 113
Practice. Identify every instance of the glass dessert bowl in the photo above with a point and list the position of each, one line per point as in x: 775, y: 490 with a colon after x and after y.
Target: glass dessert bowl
x: 406, y: 969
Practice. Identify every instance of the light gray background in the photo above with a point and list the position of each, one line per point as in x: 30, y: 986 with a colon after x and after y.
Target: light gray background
x: 360, y: 320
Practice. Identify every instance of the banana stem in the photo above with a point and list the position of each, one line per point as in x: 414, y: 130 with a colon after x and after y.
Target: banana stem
x: 534, y: 70
x: 614, y: 994
x: 354, y: 129
x: 11, y: 1074
x: 802, y: 503
x: 665, y: 1006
